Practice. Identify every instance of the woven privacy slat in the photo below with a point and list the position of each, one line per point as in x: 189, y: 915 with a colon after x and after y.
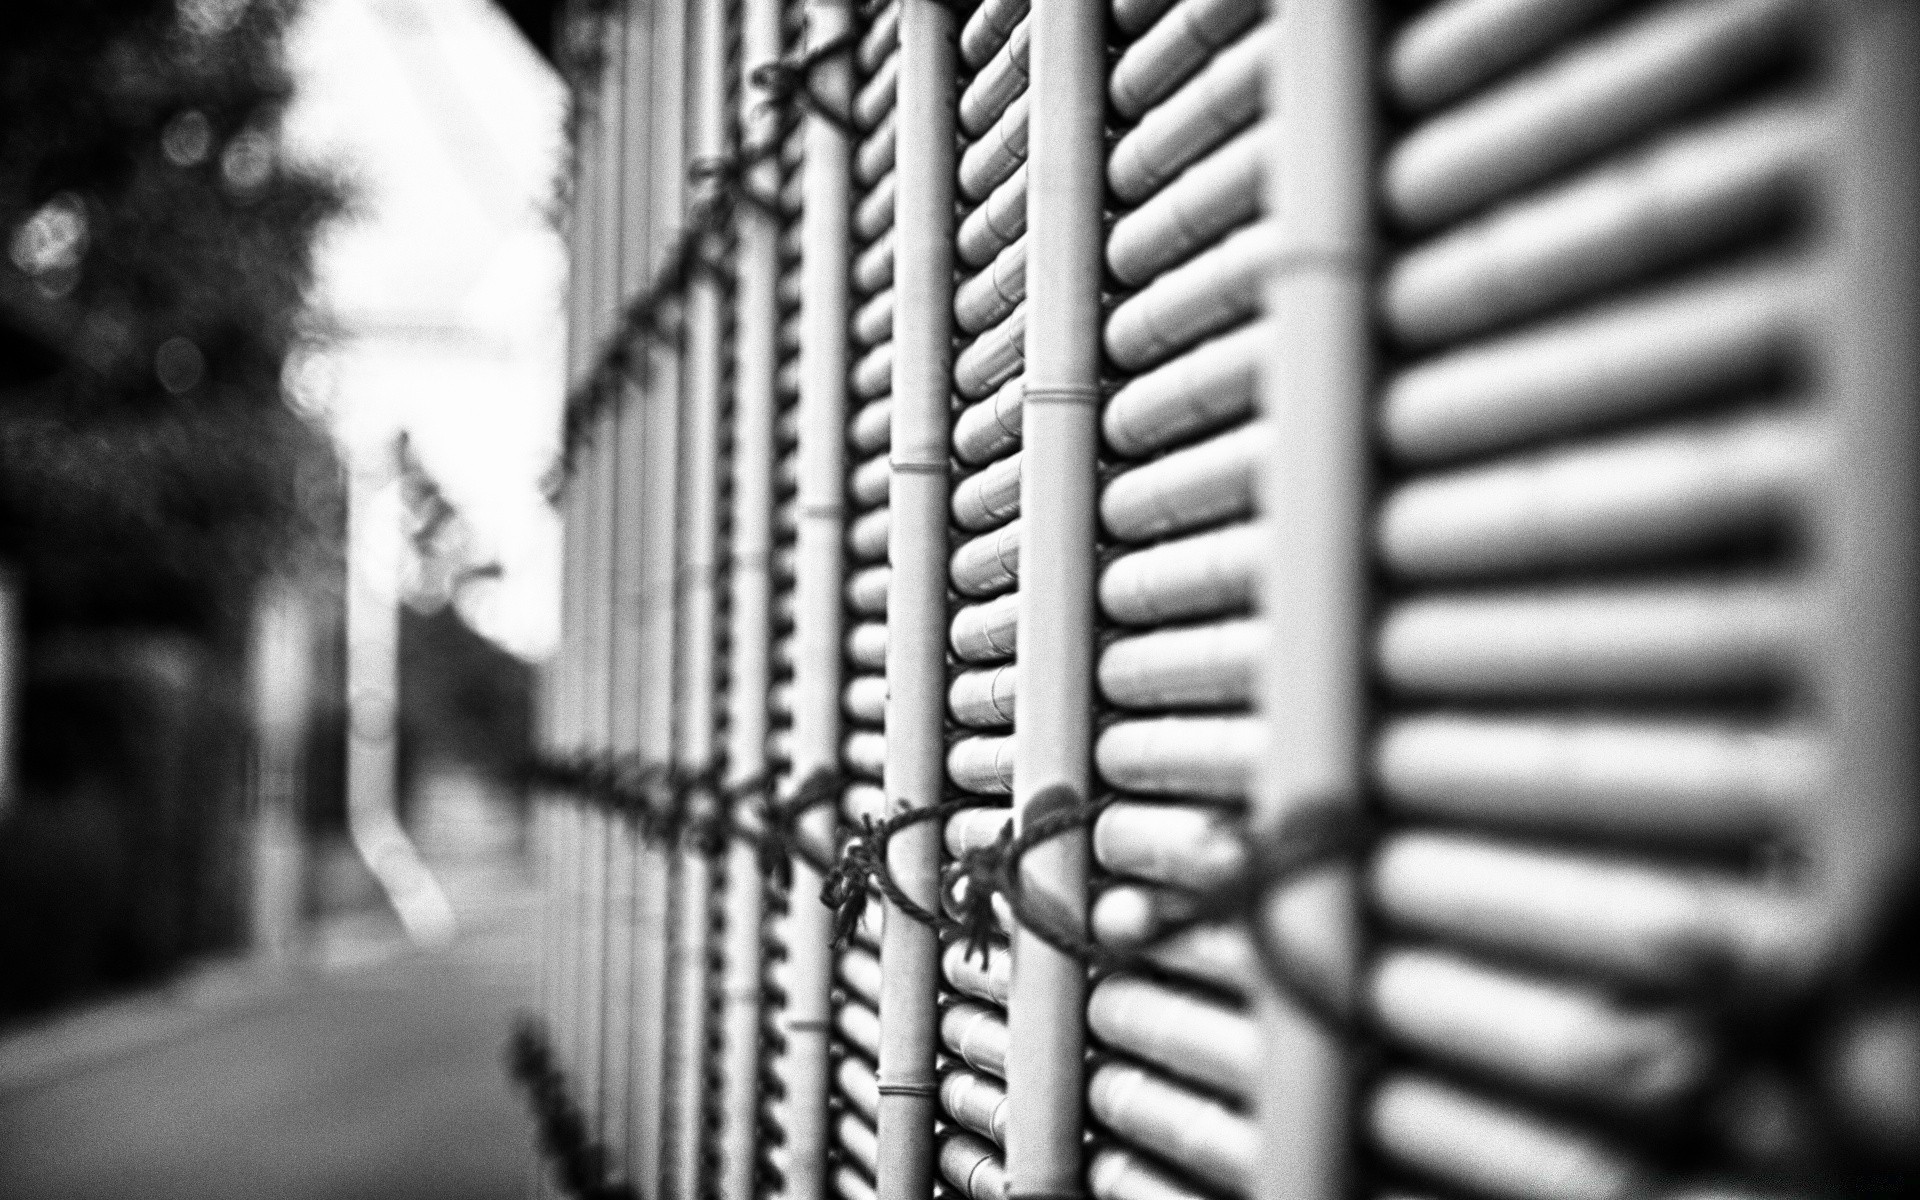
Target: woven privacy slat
x: 989, y: 564
x: 1621, y: 921
x: 870, y: 483
x: 1191, y: 577
x: 982, y: 699
x: 1209, y: 108
x: 851, y: 1185
x: 1681, y: 779
x: 866, y: 698
x: 867, y: 536
x: 988, y: 28
x: 989, y: 228
x: 1593, y: 94
x: 872, y: 426
x: 1191, y: 1037
x: 1177, y: 45
x: 989, y: 428
x: 985, y: 632
x: 867, y: 645
x: 1203, y: 757
x: 1457, y: 45
x: 1205, y: 666
x: 997, y: 84
x: 873, y: 323
x: 975, y: 829
x: 1134, y: 16
x: 991, y: 294
x: 789, y: 293
x: 860, y: 972
x: 1219, y: 956
x: 873, y: 213
x: 866, y: 751
x: 992, y: 160
x: 788, y: 344
x: 1181, y: 1126
x: 873, y: 373
x: 858, y: 1026
x: 1492, y: 1148
x: 1216, y: 194
x: 867, y: 591
x: 982, y: 764
x: 1569, y: 1041
x: 865, y: 800
x: 1199, y: 485
x: 971, y: 1165
x: 1212, y: 292
x: 856, y: 1139
x: 1607, y: 501
x: 1115, y: 1174
x: 1200, y: 390
x: 1640, y: 355
x: 786, y: 381
x: 969, y: 976
x: 876, y: 97
x: 990, y: 496
x: 753, y: 491
x: 881, y: 39
x: 873, y: 269
x: 1673, y: 640
x: 1687, y: 193
x: 978, y: 1035
x: 857, y: 1082
x: 1173, y: 844
x: 975, y: 1102
x: 993, y: 358
x: 1195, y: 260
x: 875, y: 155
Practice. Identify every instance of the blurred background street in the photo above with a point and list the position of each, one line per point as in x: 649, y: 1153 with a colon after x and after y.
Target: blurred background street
x: 280, y: 344
x: 366, y: 1067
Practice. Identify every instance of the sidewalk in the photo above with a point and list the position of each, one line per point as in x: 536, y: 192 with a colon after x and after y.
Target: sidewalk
x: 368, y: 1068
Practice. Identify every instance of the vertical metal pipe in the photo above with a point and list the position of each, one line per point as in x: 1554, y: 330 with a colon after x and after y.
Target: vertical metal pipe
x: 1315, y: 488
x: 658, y: 515
x: 550, y: 809
x: 1864, y: 836
x: 565, y: 670
x: 750, y: 624
x: 626, y: 930
x: 915, y: 769
x: 699, y: 675
x: 1066, y: 185
x: 821, y: 568
x: 604, y: 460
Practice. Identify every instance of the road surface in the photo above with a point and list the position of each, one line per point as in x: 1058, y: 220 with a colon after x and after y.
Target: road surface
x: 379, y: 1078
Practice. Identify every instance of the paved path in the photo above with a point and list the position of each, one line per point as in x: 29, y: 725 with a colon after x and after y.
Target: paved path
x: 376, y: 1078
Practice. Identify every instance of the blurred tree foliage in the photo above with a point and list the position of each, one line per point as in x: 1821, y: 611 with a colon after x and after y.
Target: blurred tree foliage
x: 154, y: 252
x: 157, y: 248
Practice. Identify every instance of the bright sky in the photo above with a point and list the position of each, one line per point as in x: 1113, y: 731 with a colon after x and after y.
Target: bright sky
x: 447, y: 281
